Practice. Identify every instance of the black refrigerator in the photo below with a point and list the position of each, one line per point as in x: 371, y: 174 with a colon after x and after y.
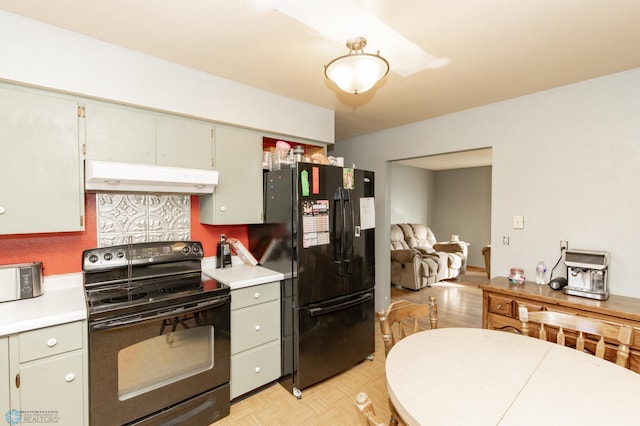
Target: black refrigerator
x: 319, y: 232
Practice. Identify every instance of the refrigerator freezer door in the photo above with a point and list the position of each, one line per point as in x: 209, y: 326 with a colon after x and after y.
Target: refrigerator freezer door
x: 332, y: 337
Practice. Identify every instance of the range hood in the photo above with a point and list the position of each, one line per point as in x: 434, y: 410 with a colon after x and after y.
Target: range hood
x: 106, y: 176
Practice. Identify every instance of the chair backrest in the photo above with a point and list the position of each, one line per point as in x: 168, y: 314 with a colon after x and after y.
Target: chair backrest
x: 397, y: 239
x: 403, y: 314
x: 366, y: 410
x: 424, y: 237
x: 596, y: 329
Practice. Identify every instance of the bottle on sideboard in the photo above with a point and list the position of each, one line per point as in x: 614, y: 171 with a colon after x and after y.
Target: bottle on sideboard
x: 541, y: 269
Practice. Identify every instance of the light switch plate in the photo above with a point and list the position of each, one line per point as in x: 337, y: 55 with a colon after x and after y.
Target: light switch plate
x: 518, y: 222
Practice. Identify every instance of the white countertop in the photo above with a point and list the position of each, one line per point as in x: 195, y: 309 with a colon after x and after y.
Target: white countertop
x: 63, y: 301
x: 240, y: 274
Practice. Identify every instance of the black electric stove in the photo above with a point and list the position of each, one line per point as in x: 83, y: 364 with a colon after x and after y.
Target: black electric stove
x: 135, y: 278
x: 151, y: 309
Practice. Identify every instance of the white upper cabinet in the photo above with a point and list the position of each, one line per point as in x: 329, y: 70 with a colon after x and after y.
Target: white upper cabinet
x: 133, y: 135
x: 41, y: 170
x: 238, y: 197
x: 117, y: 133
x: 181, y: 142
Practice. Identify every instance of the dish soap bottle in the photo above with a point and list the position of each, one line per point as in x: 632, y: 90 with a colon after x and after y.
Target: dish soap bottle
x: 540, y: 272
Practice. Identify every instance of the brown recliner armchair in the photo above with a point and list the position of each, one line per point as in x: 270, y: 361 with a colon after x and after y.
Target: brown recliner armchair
x: 410, y: 267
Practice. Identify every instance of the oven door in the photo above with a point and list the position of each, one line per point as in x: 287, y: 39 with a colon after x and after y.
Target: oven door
x: 140, y: 364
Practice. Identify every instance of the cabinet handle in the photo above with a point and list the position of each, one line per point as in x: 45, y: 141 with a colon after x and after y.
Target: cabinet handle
x: 52, y: 342
x: 257, y: 328
x: 258, y: 369
x: 499, y: 306
x: 223, y: 208
x: 2, y: 210
x: 257, y: 295
x: 18, y: 380
x: 69, y: 377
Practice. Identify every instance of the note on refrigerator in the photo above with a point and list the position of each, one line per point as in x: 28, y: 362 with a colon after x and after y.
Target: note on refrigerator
x: 367, y: 213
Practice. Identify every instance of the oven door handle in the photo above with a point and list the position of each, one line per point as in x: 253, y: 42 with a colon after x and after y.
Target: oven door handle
x: 169, y: 312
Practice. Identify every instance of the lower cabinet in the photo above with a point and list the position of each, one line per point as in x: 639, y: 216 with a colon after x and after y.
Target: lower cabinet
x: 255, y: 337
x: 5, y: 404
x: 47, y: 375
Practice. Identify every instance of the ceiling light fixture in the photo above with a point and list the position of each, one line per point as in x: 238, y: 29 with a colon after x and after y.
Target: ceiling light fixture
x: 357, y: 72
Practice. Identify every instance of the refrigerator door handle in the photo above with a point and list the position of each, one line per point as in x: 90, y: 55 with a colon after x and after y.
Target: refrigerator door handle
x: 350, y: 231
x: 338, y: 247
x: 314, y: 312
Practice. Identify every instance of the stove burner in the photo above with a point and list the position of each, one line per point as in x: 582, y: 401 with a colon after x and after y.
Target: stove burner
x: 181, y: 288
x: 124, y: 298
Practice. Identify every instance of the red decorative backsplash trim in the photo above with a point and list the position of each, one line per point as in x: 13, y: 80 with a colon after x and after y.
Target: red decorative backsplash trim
x: 61, y: 253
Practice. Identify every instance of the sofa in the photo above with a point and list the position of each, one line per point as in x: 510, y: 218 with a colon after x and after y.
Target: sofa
x: 418, y: 260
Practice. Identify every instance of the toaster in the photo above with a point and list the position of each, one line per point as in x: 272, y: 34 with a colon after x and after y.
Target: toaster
x: 20, y: 281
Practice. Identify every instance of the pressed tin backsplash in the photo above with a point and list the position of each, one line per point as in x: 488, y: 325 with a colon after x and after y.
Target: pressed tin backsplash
x: 136, y: 218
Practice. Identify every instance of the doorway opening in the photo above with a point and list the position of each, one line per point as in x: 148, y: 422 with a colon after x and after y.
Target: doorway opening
x: 450, y: 193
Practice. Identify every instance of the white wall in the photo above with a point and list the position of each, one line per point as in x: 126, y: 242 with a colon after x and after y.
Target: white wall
x: 411, y: 190
x: 463, y: 206
x: 567, y: 159
x: 42, y: 55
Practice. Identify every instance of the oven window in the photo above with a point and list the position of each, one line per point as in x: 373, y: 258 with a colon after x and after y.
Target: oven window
x: 164, y: 359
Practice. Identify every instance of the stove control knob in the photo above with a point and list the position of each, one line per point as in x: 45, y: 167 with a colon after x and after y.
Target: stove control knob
x: 195, y: 248
x: 93, y: 258
x: 185, y: 250
x: 120, y: 254
x: 108, y: 256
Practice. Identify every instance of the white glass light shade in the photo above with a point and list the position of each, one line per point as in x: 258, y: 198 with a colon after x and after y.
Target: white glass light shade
x: 357, y: 72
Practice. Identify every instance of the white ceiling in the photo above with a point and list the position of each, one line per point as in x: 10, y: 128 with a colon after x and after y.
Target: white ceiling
x: 498, y: 49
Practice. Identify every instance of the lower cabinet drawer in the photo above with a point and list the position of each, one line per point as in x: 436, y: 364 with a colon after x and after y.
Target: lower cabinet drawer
x: 50, y: 341
x: 255, y: 325
x: 254, y: 368
x: 500, y: 305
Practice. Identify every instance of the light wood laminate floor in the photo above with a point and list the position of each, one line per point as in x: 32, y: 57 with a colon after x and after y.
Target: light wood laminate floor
x: 331, y: 402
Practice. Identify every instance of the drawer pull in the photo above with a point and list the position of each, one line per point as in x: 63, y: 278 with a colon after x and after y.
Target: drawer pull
x: 257, y: 327
x: 52, y: 342
x: 258, y: 369
x: 256, y: 295
x: 499, y: 306
x: 69, y: 377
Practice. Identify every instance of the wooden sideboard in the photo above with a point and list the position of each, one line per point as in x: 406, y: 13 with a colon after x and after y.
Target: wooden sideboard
x: 500, y: 300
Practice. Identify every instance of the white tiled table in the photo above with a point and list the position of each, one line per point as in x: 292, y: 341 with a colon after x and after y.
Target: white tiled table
x: 470, y: 376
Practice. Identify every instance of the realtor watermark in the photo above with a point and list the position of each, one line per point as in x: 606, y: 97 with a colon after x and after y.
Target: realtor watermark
x: 19, y: 417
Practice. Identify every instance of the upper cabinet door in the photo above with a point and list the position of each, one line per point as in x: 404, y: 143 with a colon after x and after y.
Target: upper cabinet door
x: 182, y: 142
x: 238, y: 197
x: 118, y: 133
x: 41, y: 172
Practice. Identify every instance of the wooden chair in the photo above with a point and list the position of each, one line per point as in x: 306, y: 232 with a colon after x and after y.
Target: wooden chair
x: 402, y: 313
x: 600, y: 330
x: 366, y: 410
